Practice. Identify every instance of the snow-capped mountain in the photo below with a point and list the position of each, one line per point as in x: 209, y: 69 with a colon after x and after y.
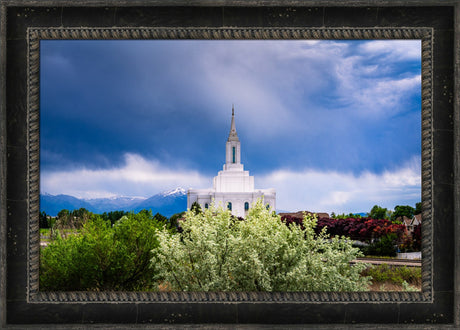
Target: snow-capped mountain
x: 100, y: 205
x: 175, y: 192
x: 166, y: 203
x: 169, y: 202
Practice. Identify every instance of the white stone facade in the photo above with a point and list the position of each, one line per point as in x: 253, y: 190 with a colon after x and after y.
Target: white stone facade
x: 233, y: 187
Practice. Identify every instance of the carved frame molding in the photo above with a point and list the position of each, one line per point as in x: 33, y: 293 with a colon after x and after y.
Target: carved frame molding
x: 35, y: 34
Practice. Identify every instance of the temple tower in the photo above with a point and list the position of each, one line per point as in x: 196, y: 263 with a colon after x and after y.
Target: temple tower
x: 233, y: 187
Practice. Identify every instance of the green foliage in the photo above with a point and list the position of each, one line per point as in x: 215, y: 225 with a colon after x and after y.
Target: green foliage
x: 82, y: 214
x: 72, y: 263
x: 196, y: 207
x: 407, y: 287
x: 383, y: 247
x: 102, y: 257
x: 345, y: 216
x: 113, y: 216
x: 71, y: 219
x: 216, y: 252
x: 418, y: 208
x: 63, y: 213
x: 378, y: 212
x: 176, y: 216
x: 43, y: 220
x: 394, y: 274
x: 174, y: 220
x: 160, y: 218
x: 45, y: 231
x: 145, y: 212
x: 402, y: 210
x: 170, y: 225
x: 136, y: 234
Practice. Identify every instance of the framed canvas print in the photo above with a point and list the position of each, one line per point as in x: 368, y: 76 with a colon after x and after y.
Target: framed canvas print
x: 177, y: 144
x: 334, y: 127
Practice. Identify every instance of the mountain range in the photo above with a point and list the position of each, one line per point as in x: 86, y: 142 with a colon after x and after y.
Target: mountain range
x: 166, y: 203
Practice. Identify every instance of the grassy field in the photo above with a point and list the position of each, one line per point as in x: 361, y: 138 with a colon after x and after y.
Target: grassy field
x: 394, y: 278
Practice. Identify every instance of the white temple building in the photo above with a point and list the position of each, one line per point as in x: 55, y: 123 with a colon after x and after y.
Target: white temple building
x: 233, y: 187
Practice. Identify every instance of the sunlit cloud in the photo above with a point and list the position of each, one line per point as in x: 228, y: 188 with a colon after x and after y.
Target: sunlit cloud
x: 332, y: 191
x: 394, y: 50
x: 384, y: 97
x: 313, y: 190
x: 136, y: 177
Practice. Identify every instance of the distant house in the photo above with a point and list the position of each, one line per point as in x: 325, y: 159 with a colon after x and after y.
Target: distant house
x: 411, y: 223
x: 405, y: 220
x: 417, y: 219
x: 299, y: 214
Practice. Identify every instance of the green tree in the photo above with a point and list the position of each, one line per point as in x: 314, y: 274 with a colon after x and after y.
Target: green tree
x: 72, y: 219
x: 174, y: 220
x: 216, y: 252
x: 63, y: 216
x: 402, y: 210
x: 81, y: 213
x: 418, y: 208
x: 147, y: 213
x: 345, y: 216
x: 378, y: 212
x: 63, y: 213
x: 196, y: 208
x: 137, y: 238
x: 43, y: 220
x: 79, y: 217
x: 113, y: 216
x: 160, y: 218
x: 63, y: 221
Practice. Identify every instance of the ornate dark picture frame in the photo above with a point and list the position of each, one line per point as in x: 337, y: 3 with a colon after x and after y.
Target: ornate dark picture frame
x: 35, y: 35
x: 28, y: 24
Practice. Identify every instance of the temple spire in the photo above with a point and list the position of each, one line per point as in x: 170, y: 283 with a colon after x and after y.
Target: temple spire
x: 232, y: 136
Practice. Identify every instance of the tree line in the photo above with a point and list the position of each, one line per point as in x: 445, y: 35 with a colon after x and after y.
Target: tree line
x: 378, y: 212
x: 213, y: 251
x: 208, y: 250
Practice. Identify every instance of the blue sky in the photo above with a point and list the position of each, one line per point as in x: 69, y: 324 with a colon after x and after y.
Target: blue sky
x: 332, y: 125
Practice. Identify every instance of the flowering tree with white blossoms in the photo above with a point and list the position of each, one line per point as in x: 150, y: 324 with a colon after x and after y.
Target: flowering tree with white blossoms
x: 217, y: 252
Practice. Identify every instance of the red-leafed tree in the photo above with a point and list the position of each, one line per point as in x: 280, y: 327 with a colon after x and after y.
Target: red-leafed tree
x: 362, y: 229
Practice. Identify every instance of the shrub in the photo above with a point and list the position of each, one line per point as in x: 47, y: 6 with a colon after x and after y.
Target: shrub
x: 102, y: 257
x: 216, y: 252
x: 383, y: 247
